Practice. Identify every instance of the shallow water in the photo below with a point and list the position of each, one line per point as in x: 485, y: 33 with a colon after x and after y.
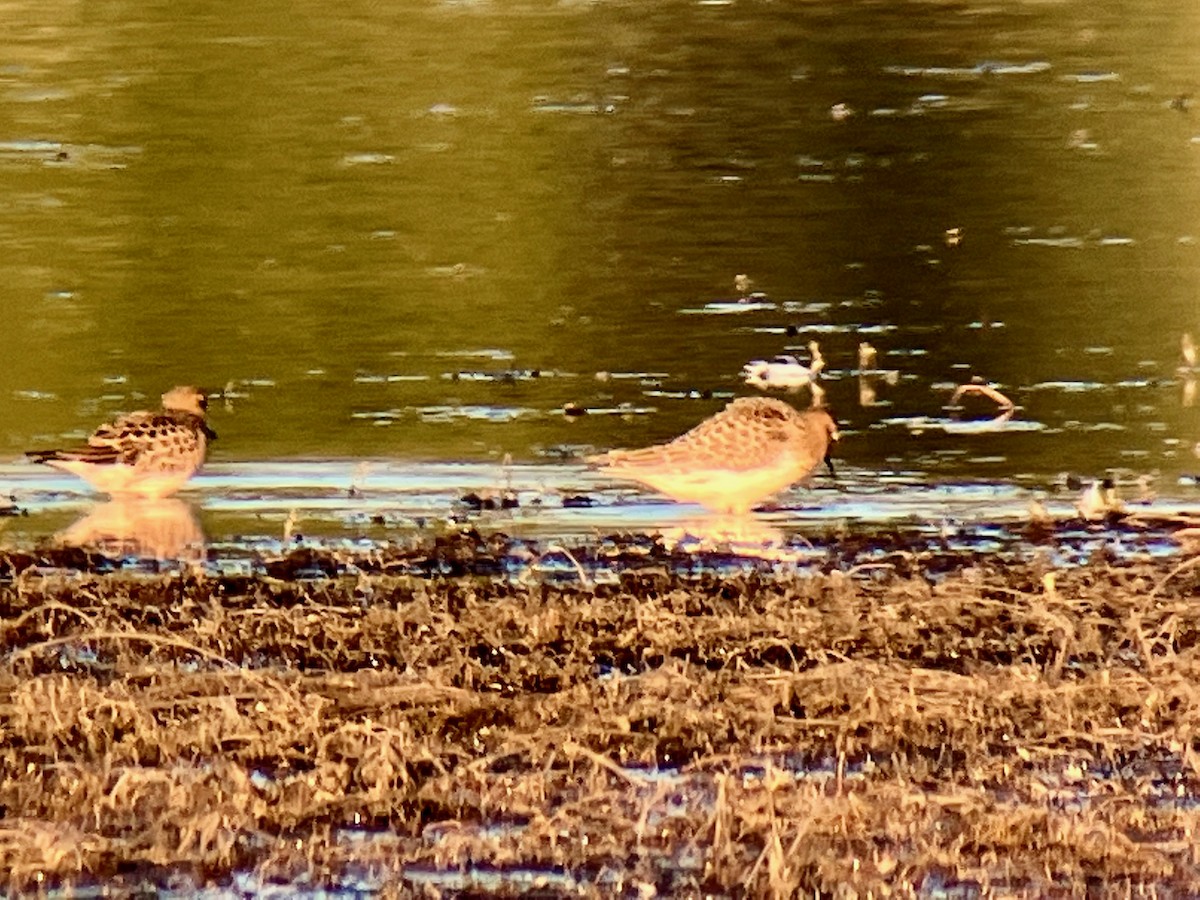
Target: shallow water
x: 414, y: 233
x: 234, y: 515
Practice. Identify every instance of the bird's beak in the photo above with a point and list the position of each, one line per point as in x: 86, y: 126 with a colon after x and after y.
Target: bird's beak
x: 207, y: 394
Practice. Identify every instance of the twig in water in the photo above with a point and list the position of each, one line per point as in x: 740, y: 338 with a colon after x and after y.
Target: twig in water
x: 1007, y: 407
x: 557, y: 548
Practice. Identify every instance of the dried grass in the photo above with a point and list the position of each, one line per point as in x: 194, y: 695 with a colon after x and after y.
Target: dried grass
x: 883, y: 733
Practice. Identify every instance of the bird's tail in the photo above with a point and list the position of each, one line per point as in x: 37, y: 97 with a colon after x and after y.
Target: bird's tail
x: 43, y: 456
x: 83, y: 454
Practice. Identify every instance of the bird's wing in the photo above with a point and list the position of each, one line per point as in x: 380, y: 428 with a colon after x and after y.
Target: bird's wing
x: 132, y: 435
x: 748, y: 433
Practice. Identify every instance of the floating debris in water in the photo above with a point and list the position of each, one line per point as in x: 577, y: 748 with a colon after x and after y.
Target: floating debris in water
x: 477, y: 413
x: 1001, y: 422
x: 729, y: 307
x: 367, y: 159
x: 983, y: 68
x: 1070, y: 387
x: 634, y: 376
x: 460, y: 271
x: 1072, y: 243
x: 505, y: 376
x: 920, y: 424
x: 572, y: 410
x: 562, y: 452
x: 1091, y: 77
x: 492, y: 353
x: 1092, y: 426
x: 784, y: 371
x: 585, y: 107
x: 364, y: 378
x: 490, y: 500
x: 692, y: 394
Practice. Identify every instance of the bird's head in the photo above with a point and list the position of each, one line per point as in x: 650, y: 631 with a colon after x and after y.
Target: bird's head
x: 186, y: 398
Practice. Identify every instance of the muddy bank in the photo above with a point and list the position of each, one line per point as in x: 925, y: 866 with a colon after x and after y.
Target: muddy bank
x: 946, y: 724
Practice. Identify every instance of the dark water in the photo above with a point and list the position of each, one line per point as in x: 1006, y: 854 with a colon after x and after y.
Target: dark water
x: 415, y: 231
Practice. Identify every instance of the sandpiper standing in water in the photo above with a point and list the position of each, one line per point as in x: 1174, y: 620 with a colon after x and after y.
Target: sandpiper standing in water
x: 142, y: 454
x: 753, y: 448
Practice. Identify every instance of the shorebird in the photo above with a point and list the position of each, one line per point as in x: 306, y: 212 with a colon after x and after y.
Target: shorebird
x: 744, y: 286
x: 784, y: 371
x: 867, y: 357
x: 1098, y: 500
x: 753, y: 448
x: 141, y: 454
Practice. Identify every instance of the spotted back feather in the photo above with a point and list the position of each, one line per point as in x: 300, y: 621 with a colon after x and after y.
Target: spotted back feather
x: 749, y: 433
x: 150, y: 438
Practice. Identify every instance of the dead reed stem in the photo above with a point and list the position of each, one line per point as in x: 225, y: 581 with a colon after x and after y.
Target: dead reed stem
x: 892, y: 731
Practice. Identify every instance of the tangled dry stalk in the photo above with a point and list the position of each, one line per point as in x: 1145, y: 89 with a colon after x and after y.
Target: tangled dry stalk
x: 1006, y: 728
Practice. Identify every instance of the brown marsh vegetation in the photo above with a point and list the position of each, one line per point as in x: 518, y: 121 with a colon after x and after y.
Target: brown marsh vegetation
x: 880, y: 729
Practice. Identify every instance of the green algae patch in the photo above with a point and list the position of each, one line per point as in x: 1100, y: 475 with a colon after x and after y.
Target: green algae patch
x: 1009, y: 728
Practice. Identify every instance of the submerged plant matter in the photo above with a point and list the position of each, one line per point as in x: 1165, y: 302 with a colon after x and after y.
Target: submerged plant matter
x: 1019, y: 728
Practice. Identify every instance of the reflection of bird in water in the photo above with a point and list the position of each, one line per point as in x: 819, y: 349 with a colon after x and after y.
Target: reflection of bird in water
x: 743, y: 536
x: 785, y: 371
x: 751, y: 449
x: 1189, y: 369
x: 869, y: 377
x: 866, y: 391
x: 143, y: 454
x: 140, y: 528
